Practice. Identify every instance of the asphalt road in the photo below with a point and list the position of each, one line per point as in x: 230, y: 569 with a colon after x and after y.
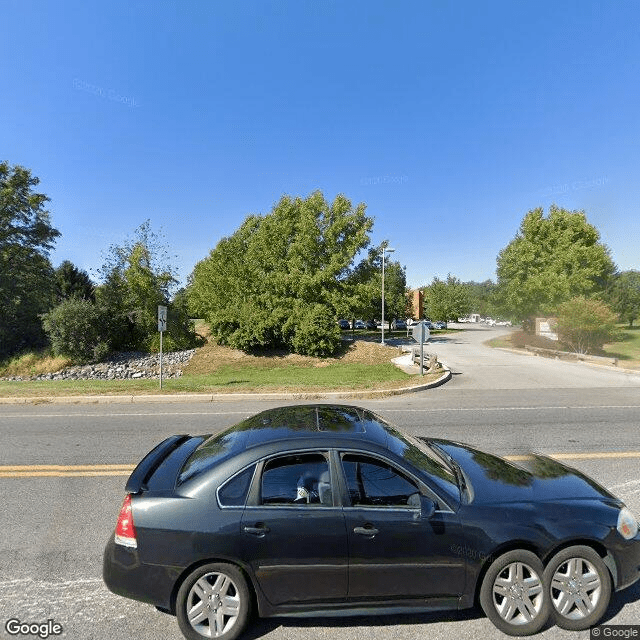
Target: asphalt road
x: 477, y: 367
x: 55, y: 525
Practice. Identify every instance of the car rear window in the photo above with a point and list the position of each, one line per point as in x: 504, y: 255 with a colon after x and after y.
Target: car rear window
x: 212, y: 452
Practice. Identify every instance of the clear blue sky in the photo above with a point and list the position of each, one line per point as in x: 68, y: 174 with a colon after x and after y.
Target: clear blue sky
x: 449, y: 119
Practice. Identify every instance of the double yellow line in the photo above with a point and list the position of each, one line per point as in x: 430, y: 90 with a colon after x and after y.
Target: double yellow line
x: 65, y: 470
x: 97, y: 470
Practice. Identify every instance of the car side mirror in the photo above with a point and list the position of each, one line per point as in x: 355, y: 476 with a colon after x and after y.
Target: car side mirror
x: 427, y: 507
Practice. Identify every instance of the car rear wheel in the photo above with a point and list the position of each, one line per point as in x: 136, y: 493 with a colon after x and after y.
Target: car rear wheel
x: 213, y: 602
x: 579, y: 587
x: 513, y: 595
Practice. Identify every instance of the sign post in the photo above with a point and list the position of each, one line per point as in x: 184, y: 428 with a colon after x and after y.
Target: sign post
x: 162, y: 327
x: 420, y: 333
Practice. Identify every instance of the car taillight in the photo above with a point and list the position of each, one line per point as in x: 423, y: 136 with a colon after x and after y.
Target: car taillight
x: 125, y: 531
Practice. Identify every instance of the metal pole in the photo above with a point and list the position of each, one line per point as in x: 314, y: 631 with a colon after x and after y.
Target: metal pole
x: 382, y: 296
x: 161, y: 360
x: 422, y: 348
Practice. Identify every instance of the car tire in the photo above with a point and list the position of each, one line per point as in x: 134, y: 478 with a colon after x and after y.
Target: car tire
x: 579, y: 587
x: 213, y: 602
x: 513, y: 594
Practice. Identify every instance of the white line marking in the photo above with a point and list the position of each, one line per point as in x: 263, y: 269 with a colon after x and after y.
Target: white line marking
x: 125, y: 415
x: 625, y: 484
x: 249, y: 413
x: 461, y: 409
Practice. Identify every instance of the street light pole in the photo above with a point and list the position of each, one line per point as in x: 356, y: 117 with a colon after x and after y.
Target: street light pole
x: 383, y: 252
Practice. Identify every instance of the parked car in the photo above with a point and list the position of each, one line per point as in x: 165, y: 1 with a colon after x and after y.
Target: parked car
x: 344, y: 324
x: 316, y: 508
x: 371, y: 325
x: 398, y: 324
x: 360, y: 324
x: 440, y: 325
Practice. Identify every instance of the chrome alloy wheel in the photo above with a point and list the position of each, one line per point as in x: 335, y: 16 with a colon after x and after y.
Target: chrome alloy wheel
x: 576, y: 588
x: 518, y: 594
x: 213, y: 605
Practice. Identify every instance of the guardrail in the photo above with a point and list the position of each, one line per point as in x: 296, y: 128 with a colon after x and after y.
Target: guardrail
x: 429, y: 360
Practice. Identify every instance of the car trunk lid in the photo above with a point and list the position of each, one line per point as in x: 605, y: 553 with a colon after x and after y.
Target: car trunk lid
x: 158, y: 470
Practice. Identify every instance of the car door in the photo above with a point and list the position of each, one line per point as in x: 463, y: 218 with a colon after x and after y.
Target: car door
x: 293, y: 537
x: 393, y: 551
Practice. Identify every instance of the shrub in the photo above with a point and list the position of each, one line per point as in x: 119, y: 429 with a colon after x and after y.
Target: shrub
x: 77, y: 329
x: 585, y: 325
x: 315, y: 332
x: 520, y: 339
x: 180, y: 334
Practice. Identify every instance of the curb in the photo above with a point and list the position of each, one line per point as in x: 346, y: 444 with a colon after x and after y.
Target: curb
x: 586, y: 362
x: 221, y: 397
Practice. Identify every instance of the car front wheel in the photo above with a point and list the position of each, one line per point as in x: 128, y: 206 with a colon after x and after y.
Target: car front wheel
x: 513, y: 595
x: 213, y: 602
x: 579, y: 587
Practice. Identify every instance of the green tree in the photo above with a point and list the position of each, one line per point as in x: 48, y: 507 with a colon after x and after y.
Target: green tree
x: 624, y: 296
x: 282, y: 279
x: 586, y: 324
x: 77, y: 329
x: 551, y: 260
x: 395, y: 291
x: 26, y: 274
x: 137, y: 277
x: 482, y: 297
x: 72, y: 282
x: 364, y: 299
x: 446, y: 299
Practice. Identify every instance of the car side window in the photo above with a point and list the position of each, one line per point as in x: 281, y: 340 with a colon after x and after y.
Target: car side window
x: 233, y: 493
x: 372, y: 482
x: 300, y: 479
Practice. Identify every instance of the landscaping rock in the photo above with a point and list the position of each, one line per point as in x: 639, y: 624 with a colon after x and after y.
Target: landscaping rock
x: 122, y: 366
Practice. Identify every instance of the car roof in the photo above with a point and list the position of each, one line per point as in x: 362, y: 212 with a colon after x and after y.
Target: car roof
x: 317, y: 420
x: 287, y: 428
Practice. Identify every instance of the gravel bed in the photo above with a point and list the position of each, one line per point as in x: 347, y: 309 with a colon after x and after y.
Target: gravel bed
x: 120, y: 367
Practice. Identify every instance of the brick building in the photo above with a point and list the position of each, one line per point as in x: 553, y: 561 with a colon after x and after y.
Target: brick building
x: 417, y: 302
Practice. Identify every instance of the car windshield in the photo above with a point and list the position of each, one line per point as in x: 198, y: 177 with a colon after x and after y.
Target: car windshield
x: 424, y: 459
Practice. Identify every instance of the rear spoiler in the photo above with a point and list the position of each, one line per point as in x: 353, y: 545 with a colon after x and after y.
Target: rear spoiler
x: 150, y: 463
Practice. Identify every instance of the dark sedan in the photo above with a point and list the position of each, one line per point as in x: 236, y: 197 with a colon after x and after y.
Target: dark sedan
x: 322, y: 508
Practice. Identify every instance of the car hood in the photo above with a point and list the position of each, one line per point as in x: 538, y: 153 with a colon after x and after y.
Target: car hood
x: 531, y: 477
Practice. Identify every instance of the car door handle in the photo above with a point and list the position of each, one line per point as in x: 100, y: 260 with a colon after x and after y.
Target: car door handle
x: 366, y: 531
x: 259, y: 530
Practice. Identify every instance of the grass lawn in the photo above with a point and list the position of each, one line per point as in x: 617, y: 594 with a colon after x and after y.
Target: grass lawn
x: 362, y: 364
x: 627, y: 349
x: 502, y: 341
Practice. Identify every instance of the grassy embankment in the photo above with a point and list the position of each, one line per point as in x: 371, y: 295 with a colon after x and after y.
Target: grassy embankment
x: 362, y: 364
